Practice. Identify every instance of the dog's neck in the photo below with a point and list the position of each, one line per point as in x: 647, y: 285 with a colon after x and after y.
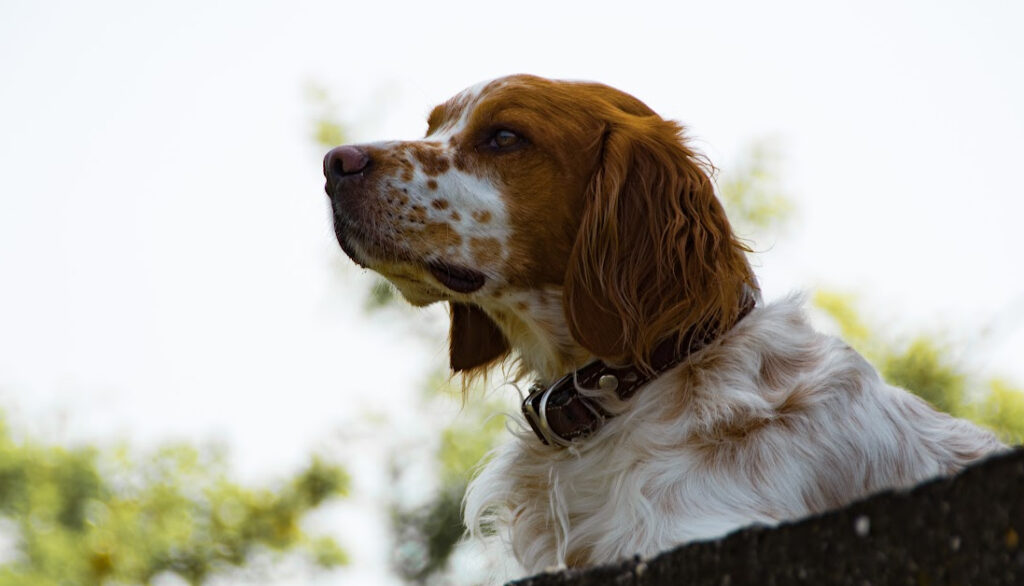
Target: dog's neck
x: 534, y: 323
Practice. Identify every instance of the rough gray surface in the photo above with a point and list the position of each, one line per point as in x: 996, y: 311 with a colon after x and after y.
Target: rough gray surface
x: 967, y: 530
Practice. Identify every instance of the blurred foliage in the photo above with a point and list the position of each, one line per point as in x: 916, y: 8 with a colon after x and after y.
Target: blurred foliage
x: 752, y: 191
x: 382, y: 294
x: 852, y: 329
x: 89, y: 516
x: 1002, y: 410
x: 926, y: 367
x: 427, y: 535
x: 327, y: 130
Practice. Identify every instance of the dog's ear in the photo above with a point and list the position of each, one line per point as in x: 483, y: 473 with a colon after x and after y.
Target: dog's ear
x: 475, y: 341
x: 655, y: 255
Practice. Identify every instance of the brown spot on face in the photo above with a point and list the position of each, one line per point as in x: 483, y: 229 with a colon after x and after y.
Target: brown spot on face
x: 486, y: 251
x: 482, y: 216
x: 461, y: 161
x: 420, y: 213
x: 432, y: 185
x: 440, y: 235
x: 456, y: 216
x: 431, y: 159
x: 439, y: 204
x: 522, y: 306
x: 394, y: 195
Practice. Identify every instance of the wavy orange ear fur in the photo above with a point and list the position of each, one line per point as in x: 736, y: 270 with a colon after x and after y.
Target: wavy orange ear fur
x: 475, y: 341
x: 655, y: 255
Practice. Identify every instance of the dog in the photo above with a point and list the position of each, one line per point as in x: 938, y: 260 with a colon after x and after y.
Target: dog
x: 573, y: 231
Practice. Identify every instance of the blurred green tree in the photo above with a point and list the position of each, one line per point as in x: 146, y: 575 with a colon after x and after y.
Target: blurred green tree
x: 752, y: 191
x: 93, y: 516
x: 327, y: 130
x: 428, y: 534
x: 926, y: 366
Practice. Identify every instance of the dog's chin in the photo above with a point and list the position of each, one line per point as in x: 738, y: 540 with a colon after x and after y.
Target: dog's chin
x: 416, y: 294
x: 369, y: 251
x: 414, y: 279
x: 350, y: 251
x: 348, y: 244
x: 411, y: 280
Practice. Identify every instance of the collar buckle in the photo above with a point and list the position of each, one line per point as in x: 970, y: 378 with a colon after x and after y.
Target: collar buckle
x: 559, y: 415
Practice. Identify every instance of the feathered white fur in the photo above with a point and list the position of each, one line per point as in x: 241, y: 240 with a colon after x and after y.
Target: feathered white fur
x: 774, y: 421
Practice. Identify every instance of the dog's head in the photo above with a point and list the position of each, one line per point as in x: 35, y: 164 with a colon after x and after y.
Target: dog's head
x: 534, y: 204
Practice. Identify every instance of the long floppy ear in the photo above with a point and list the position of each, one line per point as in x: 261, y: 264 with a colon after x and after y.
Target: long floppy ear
x: 655, y: 255
x: 475, y: 341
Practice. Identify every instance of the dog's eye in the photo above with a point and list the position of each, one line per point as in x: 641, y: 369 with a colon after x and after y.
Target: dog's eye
x: 504, y: 139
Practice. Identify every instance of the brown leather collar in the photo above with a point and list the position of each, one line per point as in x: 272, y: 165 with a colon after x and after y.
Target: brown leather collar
x: 560, y: 415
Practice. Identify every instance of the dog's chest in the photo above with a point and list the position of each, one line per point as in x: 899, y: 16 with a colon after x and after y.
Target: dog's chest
x: 644, y: 485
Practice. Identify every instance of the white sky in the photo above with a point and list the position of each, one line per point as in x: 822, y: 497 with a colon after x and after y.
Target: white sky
x: 167, y: 269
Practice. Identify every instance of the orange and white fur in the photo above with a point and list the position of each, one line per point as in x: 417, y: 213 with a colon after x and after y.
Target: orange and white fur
x: 566, y: 222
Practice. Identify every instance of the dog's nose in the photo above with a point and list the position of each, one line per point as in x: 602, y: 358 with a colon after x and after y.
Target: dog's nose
x: 343, y: 161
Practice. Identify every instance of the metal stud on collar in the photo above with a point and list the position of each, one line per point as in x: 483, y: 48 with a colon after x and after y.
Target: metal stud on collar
x: 608, y: 382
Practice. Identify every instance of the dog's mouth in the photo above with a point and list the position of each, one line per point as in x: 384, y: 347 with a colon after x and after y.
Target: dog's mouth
x: 456, y: 278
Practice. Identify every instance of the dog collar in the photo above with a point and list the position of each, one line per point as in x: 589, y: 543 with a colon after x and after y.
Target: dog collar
x: 560, y: 415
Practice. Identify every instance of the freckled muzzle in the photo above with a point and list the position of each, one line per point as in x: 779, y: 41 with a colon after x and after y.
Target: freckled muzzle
x: 374, y: 219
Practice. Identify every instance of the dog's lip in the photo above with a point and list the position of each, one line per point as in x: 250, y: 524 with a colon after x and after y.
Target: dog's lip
x: 342, y: 232
x: 457, y: 278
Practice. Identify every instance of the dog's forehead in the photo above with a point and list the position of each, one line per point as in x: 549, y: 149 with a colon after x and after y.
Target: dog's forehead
x: 452, y: 116
x: 551, y: 97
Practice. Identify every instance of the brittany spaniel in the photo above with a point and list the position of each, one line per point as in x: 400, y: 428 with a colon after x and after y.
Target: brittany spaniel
x: 571, y: 228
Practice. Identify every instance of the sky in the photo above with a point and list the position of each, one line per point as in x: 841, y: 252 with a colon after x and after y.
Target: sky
x: 167, y: 267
